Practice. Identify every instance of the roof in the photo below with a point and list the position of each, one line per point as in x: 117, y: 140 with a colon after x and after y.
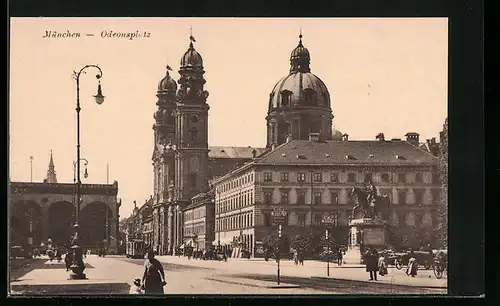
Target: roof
x: 233, y: 152
x: 374, y: 152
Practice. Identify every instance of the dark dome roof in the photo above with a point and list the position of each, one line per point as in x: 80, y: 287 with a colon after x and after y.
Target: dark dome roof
x: 167, y: 84
x: 301, y: 86
x: 191, y: 58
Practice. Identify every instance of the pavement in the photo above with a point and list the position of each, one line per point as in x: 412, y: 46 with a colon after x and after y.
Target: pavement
x: 317, y: 270
x: 247, y: 277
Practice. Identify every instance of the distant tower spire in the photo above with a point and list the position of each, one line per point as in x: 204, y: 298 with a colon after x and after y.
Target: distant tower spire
x: 51, y: 172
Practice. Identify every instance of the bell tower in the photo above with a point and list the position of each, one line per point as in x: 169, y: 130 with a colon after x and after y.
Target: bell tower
x: 191, y: 158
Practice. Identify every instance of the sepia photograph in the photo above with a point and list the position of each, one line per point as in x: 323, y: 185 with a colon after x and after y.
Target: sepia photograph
x: 233, y: 156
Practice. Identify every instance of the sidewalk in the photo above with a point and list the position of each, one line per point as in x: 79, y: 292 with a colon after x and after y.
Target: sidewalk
x: 312, y: 269
x: 52, y: 278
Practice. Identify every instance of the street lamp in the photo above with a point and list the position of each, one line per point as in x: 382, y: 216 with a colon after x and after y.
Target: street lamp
x: 85, y: 174
x: 78, y: 266
x: 328, y: 221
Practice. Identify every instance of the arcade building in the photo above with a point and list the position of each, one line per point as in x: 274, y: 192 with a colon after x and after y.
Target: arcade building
x: 42, y: 211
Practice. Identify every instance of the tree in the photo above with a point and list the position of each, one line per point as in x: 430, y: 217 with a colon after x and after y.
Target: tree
x: 302, y: 241
x: 442, y: 217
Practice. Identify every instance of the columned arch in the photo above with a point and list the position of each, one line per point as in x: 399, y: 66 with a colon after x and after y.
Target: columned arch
x: 93, y: 223
x: 61, y: 221
x: 25, y: 224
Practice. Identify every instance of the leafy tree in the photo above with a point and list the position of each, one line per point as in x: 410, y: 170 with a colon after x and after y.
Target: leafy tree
x: 442, y: 217
x: 302, y: 241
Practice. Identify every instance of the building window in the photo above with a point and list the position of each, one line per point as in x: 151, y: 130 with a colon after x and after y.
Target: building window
x: 351, y: 177
x: 318, y: 177
x: 401, y: 197
x: 284, y: 176
x: 317, y: 198
x: 301, y: 197
x: 418, y: 177
x: 267, y: 219
x: 301, y: 219
x: 268, y: 176
x: 368, y: 178
x: 285, y: 98
x: 194, y: 133
x: 435, y: 178
x: 301, y: 177
x: 284, y: 197
x: 436, y: 196
x: 268, y: 197
x: 335, y: 198
x: 402, y: 177
x: 419, y: 196
x: 318, y: 218
x: 192, y: 179
x: 385, y: 178
x: 334, y: 177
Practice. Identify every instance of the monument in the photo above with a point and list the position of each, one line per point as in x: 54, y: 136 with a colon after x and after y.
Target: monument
x: 368, y: 224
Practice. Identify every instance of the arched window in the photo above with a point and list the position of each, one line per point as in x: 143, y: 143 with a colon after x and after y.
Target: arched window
x: 286, y: 96
x: 310, y: 96
x: 194, y: 133
x: 192, y: 179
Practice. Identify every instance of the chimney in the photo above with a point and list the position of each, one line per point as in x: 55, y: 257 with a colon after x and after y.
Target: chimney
x: 254, y: 153
x: 313, y: 136
x: 412, y: 138
x: 345, y: 137
x: 288, y: 138
x: 380, y: 137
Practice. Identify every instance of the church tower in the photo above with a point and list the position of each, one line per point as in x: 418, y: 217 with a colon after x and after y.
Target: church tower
x: 191, y: 163
x: 164, y: 134
x: 163, y: 160
x: 299, y: 103
x: 51, y: 172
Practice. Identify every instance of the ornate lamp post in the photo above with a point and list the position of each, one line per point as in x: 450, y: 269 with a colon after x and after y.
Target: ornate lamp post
x: 78, y: 266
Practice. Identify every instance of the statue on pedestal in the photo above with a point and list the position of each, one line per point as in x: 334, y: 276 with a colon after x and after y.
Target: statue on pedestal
x: 371, y: 205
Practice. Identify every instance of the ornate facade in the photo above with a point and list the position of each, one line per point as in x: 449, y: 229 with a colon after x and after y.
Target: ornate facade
x: 183, y: 162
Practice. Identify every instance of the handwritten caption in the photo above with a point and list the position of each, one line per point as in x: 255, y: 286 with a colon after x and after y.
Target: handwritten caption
x: 110, y: 34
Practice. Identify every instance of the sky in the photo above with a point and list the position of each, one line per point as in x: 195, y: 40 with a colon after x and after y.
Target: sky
x: 383, y: 75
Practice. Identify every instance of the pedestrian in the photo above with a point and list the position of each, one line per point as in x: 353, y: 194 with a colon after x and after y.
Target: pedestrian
x: 412, y: 268
x: 68, y: 259
x: 340, y: 257
x: 136, y: 287
x: 295, y: 257
x: 371, y: 261
x: 382, y: 265
x: 300, y: 255
x: 153, y: 279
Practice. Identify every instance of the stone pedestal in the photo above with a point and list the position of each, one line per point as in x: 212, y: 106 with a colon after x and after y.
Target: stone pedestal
x: 364, y: 233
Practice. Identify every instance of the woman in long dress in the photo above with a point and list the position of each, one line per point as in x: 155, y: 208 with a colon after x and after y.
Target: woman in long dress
x: 153, y: 279
x: 412, y: 265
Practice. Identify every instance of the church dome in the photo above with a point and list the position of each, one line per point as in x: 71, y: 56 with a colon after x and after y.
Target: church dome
x: 191, y: 58
x: 167, y: 83
x: 300, y: 88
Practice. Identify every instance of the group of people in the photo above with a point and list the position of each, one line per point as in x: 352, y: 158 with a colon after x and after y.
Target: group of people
x: 377, y: 264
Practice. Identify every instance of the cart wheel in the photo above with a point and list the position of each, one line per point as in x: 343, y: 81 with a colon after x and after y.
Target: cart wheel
x: 438, y: 273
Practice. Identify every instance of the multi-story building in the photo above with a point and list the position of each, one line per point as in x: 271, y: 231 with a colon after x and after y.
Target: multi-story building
x: 310, y: 179
x: 199, y: 221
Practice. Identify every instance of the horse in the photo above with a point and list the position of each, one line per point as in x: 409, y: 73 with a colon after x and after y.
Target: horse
x: 381, y: 204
